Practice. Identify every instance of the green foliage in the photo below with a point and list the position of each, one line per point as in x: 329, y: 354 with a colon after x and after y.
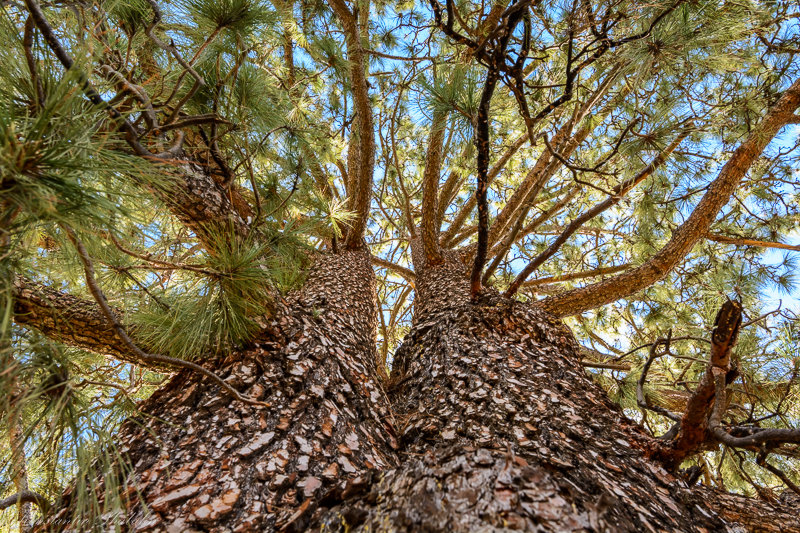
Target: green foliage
x: 213, y: 312
x: 275, y: 138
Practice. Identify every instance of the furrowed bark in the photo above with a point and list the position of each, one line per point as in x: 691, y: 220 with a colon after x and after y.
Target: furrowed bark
x: 696, y: 226
x: 361, y: 176
x: 203, y: 462
x: 202, y: 205
x: 504, y: 431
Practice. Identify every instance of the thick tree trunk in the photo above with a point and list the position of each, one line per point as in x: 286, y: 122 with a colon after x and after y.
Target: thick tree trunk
x: 489, y: 423
x: 206, y: 462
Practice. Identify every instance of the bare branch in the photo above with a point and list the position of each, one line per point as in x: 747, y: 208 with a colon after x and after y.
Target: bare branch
x: 742, y: 241
x: 641, y: 400
x: 27, y: 496
x: 600, y: 271
x: 407, y: 273
x: 449, y: 236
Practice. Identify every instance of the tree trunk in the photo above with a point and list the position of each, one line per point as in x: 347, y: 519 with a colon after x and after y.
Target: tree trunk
x: 204, y: 461
x: 497, y: 428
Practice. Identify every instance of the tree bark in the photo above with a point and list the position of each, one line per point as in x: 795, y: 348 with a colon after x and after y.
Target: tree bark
x: 71, y: 320
x: 488, y: 423
x: 504, y: 431
x: 204, y: 462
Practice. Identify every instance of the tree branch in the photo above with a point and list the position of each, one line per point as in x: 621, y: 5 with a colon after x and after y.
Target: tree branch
x: 407, y: 273
x: 601, y: 271
x: 449, y: 236
x: 641, y: 399
x: 361, y: 176
x: 109, y: 315
x: 27, y: 496
x: 690, y: 433
x: 742, y: 241
x: 617, y: 194
x: 430, y: 189
x: 695, y: 227
x: 545, y: 166
x: 71, y: 320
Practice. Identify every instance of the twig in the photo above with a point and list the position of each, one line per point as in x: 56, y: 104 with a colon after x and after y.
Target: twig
x: 761, y: 461
x: 640, y: 397
x: 131, y: 136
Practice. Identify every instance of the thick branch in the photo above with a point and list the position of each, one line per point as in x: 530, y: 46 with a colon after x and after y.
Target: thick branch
x: 695, y: 227
x: 482, y: 145
x: 70, y: 320
x: 430, y: 189
x: 692, y: 428
x: 361, y: 177
x: 27, y: 496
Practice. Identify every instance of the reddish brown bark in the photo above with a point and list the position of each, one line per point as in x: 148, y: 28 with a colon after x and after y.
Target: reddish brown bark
x: 489, y: 423
x: 361, y: 153
x: 429, y: 228
x: 202, y: 461
x: 70, y: 320
x: 507, y: 431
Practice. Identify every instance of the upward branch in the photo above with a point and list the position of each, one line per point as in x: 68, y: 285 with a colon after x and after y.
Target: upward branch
x: 496, y: 62
x: 430, y: 186
x: 482, y: 144
x: 619, y: 192
x: 696, y: 226
x: 361, y: 175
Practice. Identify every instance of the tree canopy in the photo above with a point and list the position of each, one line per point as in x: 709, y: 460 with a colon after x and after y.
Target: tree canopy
x: 628, y: 165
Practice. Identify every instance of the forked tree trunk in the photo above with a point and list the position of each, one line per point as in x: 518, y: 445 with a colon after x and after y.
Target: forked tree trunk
x: 489, y: 423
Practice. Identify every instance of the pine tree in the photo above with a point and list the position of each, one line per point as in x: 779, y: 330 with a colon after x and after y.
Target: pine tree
x: 386, y: 266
